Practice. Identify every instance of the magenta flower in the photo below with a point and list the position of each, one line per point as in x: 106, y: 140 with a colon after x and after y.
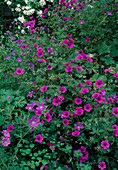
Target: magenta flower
x: 99, y: 99
x: 38, y: 112
x: 98, y: 83
x: 41, y: 106
x: 62, y: 89
x: 69, y: 68
x: 105, y: 144
x: 115, y: 111
x: 33, y: 121
x: 88, y: 82
x: 66, y: 63
x: 48, y: 118
x: 80, y: 85
x: 69, y: 44
x: 19, y: 59
x: 6, y: 133
x: 49, y: 67
x: 107, y: 70
x: 40, y: 52
x: 78, y: 100
x: 10, y: 128
x: 65, y: 41
x: 115, y: 132
x: 66, y: 114
x: 56, y: 101
x: 116, y: 75
x: 48, y: 97
x: 79, y: 126
x: 75, y: 133
x: 82, y: 149
x: 95, y: 95
x: 89, y: 59
x: 81, y: 22
x: 79, y: 111
x: 29, y: 107
x: 115, y: 127
x: 85, y: 155
x: 65, y: 121
x: 61, y: 114
x: 102, y: 165
x: 87, y: 40
x: 79, y: 68
x: 41, y: 60
x: 8, y: 97
x: 7, y: 57
x: 87, y: 107
x: 30, y: 94
x: 111, y: 100
x: 6, y: 141
x: 49, y: 49
x: 79, y: 57
x: 84, y: 90
x: 103, y: 92
x: 39, y: 138
x: 44, y: 88
x: 69, y: 34
x: 61, y: 97
x: 44, y: 167
x: 19, y: 71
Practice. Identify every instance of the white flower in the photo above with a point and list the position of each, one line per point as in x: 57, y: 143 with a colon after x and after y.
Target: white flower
x: 30, y: 12
x: 18, y: 9
x: 23, y: 7
x: 26, y: 1
x: 42, y: 2
x: 48, y: 14
x: 27, y: 7
x: 91, y: 6
x: 39, y: 12
x: 21, y: 19
x: 51, y: 0
x: 19, y: 27
x: 22, y: 31
x: 8, y: 2
x: 18, y: 5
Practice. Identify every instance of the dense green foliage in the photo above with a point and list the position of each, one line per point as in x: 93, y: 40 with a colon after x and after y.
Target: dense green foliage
x: 64, y: 71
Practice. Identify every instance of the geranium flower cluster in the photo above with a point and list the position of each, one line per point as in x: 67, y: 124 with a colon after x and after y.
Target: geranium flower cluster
x: 84, y: 154
x: 6, y: 139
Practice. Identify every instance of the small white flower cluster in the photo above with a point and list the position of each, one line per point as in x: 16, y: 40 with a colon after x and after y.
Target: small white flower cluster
x: 28, y: 12
x: 8, y: 2
x: 42, y: 2
x: 21, y: 19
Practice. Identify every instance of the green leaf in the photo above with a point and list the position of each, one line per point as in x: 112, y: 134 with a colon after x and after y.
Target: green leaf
x: 77, y: 154
x: 32, y: 145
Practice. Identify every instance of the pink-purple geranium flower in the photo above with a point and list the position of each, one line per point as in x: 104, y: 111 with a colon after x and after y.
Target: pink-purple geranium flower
x: 10, y: 128
x: 6, y: 141
x: 105, y: 144
x: 79, y: 126
x: 33, y: 122
x: 102, y: 165
x: 6, y: 133
x: 98, y: 83
x: 39, y: 138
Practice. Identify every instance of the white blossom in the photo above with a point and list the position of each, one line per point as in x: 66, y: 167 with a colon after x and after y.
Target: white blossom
x: 18, y: 9
x: 22, y: 31
x: 42, y: 2
x: 21, y: 19
x: 8, y: 2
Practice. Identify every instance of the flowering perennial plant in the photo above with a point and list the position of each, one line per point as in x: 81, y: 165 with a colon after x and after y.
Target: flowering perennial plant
x: 59, y: 90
